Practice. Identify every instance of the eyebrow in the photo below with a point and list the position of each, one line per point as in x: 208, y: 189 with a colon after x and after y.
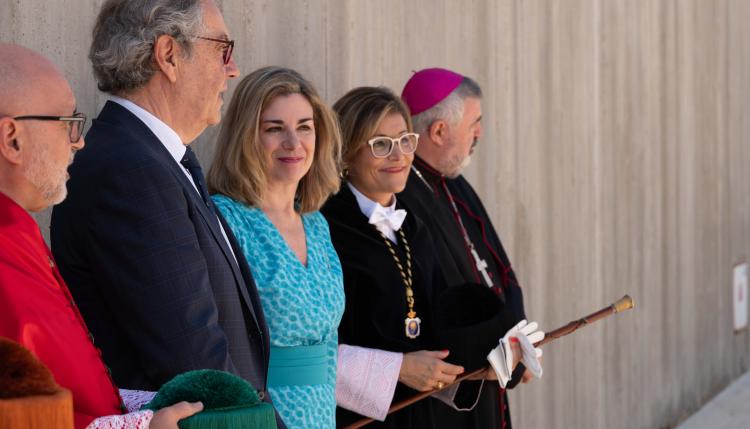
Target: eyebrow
x: 399, y: 134
x: 280, y: 122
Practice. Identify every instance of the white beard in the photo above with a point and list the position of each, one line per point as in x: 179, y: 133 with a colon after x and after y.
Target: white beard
x: 50, y: 183
x: 460, y: 168
x: 466, y: 162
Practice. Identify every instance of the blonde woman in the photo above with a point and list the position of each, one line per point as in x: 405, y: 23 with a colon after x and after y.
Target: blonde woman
x: 386, y: 254
x: 391, y: 277
x: 276, y: 163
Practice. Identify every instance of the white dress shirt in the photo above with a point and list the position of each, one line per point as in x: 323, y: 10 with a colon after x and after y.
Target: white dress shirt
x: 368, y: 207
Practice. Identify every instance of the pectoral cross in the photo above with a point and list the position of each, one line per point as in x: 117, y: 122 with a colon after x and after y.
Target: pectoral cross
x: 482, y: 267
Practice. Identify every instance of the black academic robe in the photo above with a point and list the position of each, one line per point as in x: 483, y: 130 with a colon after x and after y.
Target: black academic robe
x: 426, y: 197
x: 376, y: 296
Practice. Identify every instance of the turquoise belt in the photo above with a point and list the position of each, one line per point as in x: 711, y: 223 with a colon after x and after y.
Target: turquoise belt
x: 299, y: 365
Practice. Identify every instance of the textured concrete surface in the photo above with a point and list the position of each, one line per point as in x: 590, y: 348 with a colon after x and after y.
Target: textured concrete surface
x: 730, y: 409
x: 615, y: 160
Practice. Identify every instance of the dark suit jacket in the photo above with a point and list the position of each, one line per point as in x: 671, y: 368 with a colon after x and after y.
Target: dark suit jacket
x: 153, y: 277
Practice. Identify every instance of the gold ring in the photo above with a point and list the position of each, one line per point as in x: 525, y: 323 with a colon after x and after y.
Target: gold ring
x: 440, y: 384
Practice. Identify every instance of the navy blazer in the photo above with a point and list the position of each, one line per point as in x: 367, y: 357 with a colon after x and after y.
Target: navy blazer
x: 154, y: 279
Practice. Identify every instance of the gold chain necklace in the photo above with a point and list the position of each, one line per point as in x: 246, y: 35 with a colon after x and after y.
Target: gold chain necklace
x: 412, y: 323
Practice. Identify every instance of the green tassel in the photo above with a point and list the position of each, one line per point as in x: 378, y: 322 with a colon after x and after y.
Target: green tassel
x: 228, y: 401
x: 216, y: 389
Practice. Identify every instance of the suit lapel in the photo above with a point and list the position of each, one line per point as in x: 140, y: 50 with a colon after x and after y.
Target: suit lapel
x: 251, y: 289
x: 212, y: 220
x: 116, y: 114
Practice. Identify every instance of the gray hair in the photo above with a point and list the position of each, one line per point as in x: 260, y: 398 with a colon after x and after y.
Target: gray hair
x: 124, y: 36
x: 451, y: 109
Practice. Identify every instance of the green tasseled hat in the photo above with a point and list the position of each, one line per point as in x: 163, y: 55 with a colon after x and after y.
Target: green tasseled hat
x: 228, y: 401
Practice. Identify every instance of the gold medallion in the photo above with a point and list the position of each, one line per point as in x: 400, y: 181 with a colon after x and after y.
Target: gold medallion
x: 412, y: 326
x: 412, y: 323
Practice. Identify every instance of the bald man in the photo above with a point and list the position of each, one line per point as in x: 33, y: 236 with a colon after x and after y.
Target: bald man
x: 40, y: 131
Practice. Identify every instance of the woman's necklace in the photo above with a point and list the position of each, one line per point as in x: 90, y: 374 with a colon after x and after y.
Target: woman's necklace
x: 412, y: 323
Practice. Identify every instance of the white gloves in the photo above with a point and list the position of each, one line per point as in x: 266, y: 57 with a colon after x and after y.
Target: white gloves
x: 530, y: 353
x: 501, y: 357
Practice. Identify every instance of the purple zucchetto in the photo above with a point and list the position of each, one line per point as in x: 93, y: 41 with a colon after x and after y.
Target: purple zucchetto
x: 428, y: 87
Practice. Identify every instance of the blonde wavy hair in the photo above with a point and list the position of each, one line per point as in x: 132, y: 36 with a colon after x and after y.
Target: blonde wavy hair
x: 239, y: 168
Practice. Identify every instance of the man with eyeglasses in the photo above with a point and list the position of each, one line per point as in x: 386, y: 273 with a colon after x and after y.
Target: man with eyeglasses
x: 40, y: 131
x: 446, y: 111
x: 157, y: 274
x: 43, y: 172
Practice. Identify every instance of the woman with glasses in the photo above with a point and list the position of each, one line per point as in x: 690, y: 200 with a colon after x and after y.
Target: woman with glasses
x: 386, y: 257
x: 276, y: 163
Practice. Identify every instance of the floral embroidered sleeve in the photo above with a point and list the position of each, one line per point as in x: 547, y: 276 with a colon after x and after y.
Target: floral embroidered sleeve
x: 136, y: 420
x: 135, y: 399
x: 366, y: 380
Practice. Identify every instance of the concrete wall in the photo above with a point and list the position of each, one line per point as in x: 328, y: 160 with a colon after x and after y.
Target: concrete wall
x: 614, y: 161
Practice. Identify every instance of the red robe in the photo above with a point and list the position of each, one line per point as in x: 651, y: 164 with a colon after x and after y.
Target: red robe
x: 36, y: 310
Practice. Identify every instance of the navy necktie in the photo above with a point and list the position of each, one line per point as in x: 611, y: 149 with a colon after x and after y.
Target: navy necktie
x: 190, y: 162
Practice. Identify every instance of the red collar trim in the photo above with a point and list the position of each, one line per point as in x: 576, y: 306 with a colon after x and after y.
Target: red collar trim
x: 429, y: 176
x: 427, y: 170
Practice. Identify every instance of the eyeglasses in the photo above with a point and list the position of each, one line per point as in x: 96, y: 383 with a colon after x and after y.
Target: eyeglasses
x: 228, y: 48
x: 76, y: 123
x: 382, y: 147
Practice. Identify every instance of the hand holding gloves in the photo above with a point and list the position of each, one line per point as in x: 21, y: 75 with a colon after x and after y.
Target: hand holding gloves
x: 501, y: 357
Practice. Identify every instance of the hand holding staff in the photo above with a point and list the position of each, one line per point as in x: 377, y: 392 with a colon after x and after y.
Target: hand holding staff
x: 624, y: 303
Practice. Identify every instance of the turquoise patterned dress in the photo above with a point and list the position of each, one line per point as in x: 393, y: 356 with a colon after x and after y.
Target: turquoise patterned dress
x: 303, y: 305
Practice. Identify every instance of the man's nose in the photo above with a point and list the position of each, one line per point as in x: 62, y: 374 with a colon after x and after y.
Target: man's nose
x: 232, y: 69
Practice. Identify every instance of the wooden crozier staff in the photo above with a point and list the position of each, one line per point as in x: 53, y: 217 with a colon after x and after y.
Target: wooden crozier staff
x: 622, y: 304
